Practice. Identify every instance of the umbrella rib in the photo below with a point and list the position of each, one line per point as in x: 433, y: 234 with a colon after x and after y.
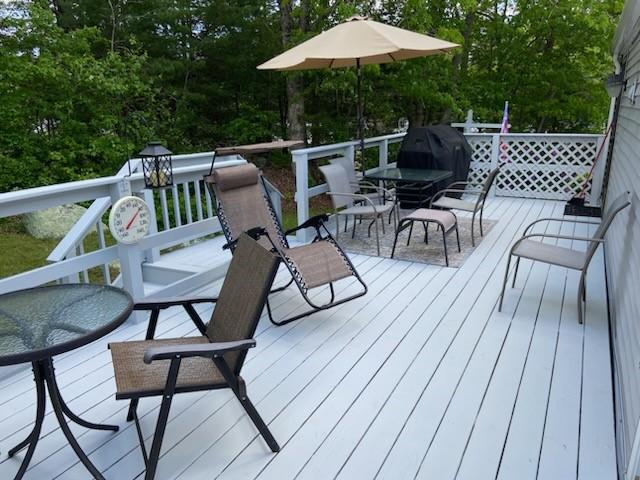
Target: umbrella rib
x: 392, y: 57
x: 331, y: 63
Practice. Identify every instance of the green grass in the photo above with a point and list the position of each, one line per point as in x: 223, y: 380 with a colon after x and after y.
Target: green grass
x: 21, y: 252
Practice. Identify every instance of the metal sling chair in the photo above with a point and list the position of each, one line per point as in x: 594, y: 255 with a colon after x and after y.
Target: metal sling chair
x: 536, y: 250
x: 242, y: 203
x: 441, y: 200
x: 212, y: 360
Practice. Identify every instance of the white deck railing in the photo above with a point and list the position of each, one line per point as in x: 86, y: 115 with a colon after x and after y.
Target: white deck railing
x: 541, y: 166
x: 180, y: 220
x: 550, y: 166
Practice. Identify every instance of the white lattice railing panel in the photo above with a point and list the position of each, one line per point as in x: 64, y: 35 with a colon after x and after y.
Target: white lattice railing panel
x: 535, y: 166
x: 480, y: 158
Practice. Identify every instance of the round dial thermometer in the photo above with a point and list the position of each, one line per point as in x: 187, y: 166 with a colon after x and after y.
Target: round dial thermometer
x: 129, y: 219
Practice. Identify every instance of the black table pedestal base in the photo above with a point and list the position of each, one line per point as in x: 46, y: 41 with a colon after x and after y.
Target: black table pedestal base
x: 43, y: 374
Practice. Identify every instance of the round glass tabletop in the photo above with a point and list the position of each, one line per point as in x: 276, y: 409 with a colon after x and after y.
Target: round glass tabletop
x: 42, y: 322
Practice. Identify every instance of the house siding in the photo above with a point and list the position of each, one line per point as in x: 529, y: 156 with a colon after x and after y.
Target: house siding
x: 623, y: 253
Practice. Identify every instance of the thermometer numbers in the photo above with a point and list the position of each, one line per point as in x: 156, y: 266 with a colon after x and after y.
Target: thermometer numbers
x: 129, y: 220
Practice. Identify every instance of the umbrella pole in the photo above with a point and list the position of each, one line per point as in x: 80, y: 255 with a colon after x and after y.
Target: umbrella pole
x: 360, y: 113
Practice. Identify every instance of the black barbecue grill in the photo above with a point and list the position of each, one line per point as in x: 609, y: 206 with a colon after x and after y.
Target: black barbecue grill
x: 439, y: 147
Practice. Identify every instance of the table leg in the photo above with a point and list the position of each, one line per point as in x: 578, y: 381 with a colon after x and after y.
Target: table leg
x: 32, y: 438
x: 58, y: 408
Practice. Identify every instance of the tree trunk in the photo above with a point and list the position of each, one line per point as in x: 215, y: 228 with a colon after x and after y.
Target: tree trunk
x: 295, y: 100
x: 417, y: 116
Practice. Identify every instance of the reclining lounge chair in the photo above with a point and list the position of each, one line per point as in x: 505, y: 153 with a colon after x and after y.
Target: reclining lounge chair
x: 242, y: 204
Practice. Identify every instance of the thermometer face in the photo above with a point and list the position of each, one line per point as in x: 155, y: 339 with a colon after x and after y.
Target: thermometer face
x: 129, y: 219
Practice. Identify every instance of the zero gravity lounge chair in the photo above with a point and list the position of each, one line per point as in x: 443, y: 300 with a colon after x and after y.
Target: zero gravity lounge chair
x: 209, y: 361
x: 242, y: 204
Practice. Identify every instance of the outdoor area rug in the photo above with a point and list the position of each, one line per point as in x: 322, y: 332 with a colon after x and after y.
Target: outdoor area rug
x: 417, y: 251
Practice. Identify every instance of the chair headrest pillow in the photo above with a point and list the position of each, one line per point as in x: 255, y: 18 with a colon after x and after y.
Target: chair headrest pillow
x: 238, y: 176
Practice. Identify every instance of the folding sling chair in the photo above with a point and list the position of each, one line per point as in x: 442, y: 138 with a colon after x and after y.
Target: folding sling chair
x: 242, y: 203
x: 212, y: 360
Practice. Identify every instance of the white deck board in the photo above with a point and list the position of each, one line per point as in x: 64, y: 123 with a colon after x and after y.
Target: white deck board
x: 421, y: 378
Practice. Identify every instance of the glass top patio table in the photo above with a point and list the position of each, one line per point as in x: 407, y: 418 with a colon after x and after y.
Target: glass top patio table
x: 39, y: 323
x: 415, y: 175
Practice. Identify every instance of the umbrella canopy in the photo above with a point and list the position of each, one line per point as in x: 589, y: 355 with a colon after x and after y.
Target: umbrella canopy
x: 358, y: 41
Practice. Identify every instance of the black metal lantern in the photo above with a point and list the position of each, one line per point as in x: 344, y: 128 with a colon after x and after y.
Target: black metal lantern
x: 156, y: 165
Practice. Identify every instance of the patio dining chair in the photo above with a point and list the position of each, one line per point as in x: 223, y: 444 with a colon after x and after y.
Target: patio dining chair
x: 442, y: 201
x: 209, y: 361
x: 242, y: 203
x: 363, y: 187
x: 347, y: 204
x: 527, y: 247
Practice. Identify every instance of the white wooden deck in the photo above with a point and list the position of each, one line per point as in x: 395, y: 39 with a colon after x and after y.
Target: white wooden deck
x: 421, y: 378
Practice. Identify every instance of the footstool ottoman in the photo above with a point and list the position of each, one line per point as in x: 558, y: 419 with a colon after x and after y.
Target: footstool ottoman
x: 445, y: 220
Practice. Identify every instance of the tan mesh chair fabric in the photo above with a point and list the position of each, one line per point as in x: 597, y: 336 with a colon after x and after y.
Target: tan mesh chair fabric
x: 242, y: 297
x: 235, y: 317
x: 349, y: 168
x: 242, y: 206
x: 338, y: 182
x: 566, y: 257
x: 619, y: 204
x: 455, y: 203
x: 318, y: 263
x: 548, y: 253
x: 136, y: 378
x: 241, y: 176
x: 244, y: 203
x: 443, y: 217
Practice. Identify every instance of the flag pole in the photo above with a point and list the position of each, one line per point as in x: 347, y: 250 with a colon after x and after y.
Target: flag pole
x: 360, y: 113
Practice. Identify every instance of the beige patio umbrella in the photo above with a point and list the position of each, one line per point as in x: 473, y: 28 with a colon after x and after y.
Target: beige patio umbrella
x: 356, y: 42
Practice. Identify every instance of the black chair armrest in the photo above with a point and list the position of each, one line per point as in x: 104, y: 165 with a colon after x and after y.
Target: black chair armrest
x: 315, y: 222
x: 171, y: 302
x: 208, y: 350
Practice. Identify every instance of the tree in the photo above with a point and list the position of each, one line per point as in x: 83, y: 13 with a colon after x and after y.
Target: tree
x: 66, y: 114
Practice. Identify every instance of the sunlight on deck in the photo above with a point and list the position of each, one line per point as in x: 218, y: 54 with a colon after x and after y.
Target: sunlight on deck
x: 421, y: 378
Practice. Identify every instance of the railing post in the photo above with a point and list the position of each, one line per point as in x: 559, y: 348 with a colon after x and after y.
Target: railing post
x: 301, y: 163
x: 350, y: 153
x: 152, y: 254
x: 130, y: 257
x: 383, y: 154
x: 495, y: 159
x: 74, y: 277
x: 468, y: 122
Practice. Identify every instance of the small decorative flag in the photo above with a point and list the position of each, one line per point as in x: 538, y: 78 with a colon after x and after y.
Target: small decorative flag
x: 504, y: 128
x: 505, y: 119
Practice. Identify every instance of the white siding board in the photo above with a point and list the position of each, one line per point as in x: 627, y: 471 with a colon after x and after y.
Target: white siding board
x: 622, y: 255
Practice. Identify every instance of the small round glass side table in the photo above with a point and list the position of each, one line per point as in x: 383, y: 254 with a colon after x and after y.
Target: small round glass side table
x: 39, y: 323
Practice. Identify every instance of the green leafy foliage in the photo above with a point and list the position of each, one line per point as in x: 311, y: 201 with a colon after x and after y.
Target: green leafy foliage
x: 85, y: 84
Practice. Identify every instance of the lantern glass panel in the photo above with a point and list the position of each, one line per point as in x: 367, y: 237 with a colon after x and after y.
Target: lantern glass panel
x: 158, y: 172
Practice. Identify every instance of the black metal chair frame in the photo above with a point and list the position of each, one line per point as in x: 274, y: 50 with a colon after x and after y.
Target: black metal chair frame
x: 408, y: 223
x: 175, y: 353
x: 316, y: 222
